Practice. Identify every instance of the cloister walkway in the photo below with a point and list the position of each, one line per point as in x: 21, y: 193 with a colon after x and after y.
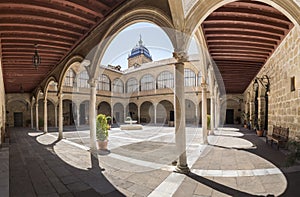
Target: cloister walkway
x: 236, y: 163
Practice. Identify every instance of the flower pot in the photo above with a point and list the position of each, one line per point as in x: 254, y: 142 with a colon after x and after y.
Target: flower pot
x: 102, y: 145
x: 259, y: 133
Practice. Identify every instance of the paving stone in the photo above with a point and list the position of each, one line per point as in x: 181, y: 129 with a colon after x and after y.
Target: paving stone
x: 77, y: 187
x: 139, y: 189
x: 203, y: 190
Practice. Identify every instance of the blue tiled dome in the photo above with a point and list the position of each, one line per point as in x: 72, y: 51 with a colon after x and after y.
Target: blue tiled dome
x: 140, y: 49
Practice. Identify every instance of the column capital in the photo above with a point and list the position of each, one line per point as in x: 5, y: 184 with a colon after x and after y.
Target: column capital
x: 60, y: 95
x: 204, y: 85
x: 180, y: 56
x: 92, y: 82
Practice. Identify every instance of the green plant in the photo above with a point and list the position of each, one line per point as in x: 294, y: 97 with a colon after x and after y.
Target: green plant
x: 208, y: 121
x: 245, y: 117
x: 102, y: 127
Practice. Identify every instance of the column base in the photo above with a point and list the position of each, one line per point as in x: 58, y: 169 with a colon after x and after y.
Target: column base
x: 60, y: 137
x: 182, y: 169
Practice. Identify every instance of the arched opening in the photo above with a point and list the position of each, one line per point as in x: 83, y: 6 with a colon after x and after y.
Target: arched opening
x: 132, y: 111
x: 200, y: 110
x: 140, y: 34
x: 147, y: 112
x: 84, y: 113
x: 69, y: 112
x: 104, y: 108
x: 118, y: 116
x: 51, y: 113
x: 190, y: 112
x: 165, y: 112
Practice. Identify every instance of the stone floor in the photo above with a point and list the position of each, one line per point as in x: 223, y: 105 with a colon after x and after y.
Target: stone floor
x: 235, y: 163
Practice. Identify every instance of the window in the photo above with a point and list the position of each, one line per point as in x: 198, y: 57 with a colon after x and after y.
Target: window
x: 132, y: 85
x: 147, y: 82
x: 118, y: 86
x: 293, y: 88
x: 189, y: 77
x: 103, y: 83
x: 165, y: 80
x: 83, y: 78
x: 69, y: 78
x: 199, y: 78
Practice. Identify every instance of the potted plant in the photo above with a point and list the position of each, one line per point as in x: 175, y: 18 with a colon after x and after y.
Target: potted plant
x: 259, y: 129
x: 245, y: 117
x: 102, y: 128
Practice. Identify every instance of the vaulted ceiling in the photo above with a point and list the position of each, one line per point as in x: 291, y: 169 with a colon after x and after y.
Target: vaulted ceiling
x: 241, y: 36
x: 56, y: 26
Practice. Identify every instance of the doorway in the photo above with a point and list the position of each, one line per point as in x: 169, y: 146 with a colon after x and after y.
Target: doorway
x: 229, y: 116
x: 18, y: 119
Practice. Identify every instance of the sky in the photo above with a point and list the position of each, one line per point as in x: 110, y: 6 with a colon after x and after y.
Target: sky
x: 154, y: 38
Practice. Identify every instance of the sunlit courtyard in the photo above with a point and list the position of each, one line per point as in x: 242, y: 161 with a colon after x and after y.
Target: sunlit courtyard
x: 141, y: 162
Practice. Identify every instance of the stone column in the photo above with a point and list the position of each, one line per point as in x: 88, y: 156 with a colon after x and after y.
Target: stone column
x: 125, y: 114
x: 92, y: 115
x: 31, y: 115
x: 139, y: 114
x: 212, y: 115
x: 204, y: 113
x: 78, y: 115
x: 252, y: 111
x: 55, y: 116
x: 197, y: 115
x: 155, y: 108
x: 60, y: 116
x: 45, y: 115
x: 218, y: 112
x: 37, y: 115
x: 216, y: 107
x: 112, y: 113
x: 180, y: 133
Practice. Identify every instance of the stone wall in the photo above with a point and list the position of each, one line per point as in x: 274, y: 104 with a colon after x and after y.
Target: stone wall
x: 284, y: 103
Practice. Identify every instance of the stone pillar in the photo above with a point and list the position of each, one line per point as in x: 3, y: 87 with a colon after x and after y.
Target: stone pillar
x: 155, y: 108
x: 60, y: 116
x: 219, y: 109
x: 78, y: 115
x: 204, y: 112
x: 180, y: 133
x: 45, y: 115
x: 112, y: 113
x: 125, y: 114
x: 212, y: 115
x: 92, y: 116
x: 139, y: 114
x: 31, y: 116
x: 37, y: 115
x: 55, y: 116
x: 196, y: 114
x: 261, y: 111
x: 252, y: 111
x: 216, y: 108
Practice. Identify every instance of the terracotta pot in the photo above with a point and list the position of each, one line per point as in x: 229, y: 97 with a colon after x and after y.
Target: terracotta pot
x: 102, y: 145
x: 259, y: 133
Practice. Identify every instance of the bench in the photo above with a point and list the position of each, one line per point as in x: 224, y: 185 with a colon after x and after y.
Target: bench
x: 279, y: 135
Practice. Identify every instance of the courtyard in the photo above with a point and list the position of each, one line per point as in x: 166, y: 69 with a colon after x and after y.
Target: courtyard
x: 140, y: 163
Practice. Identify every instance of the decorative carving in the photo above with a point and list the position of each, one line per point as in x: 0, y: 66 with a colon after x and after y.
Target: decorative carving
x: 180, y: 56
